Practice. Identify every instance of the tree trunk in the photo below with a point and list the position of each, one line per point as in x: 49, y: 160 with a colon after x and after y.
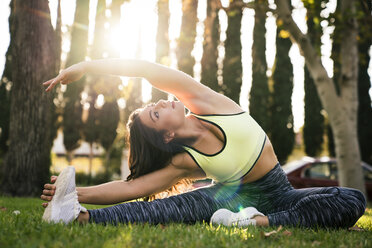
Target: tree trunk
x: 90, y: 162
x: 186, y: 40
x: 26, y: 166
x: 259, y: 94
x: 209, y: 64
x: 162, y: 44
x: 281, y: 121
x: 342, y: 110
x: 313, y: 130
x: 69, y: 156
x: 232, y: 63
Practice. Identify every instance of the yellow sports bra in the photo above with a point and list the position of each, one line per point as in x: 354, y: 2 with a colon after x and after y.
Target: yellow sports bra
x: 244, y: 141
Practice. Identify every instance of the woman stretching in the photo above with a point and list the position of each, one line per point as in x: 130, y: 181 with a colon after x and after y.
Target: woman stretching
x: 218, y: 140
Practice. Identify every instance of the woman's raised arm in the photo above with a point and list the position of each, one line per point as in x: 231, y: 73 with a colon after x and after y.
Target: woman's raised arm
x: 196, y: 96
x: 161, y: 77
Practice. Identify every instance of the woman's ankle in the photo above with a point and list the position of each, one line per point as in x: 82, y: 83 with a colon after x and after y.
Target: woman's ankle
x: 83, y: 217
x: 261, y: 220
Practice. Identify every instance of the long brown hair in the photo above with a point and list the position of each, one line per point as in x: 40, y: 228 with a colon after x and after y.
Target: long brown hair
x: 148, y: 151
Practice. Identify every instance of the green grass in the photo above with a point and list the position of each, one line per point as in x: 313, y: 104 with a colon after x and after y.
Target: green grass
x: 27, y: 230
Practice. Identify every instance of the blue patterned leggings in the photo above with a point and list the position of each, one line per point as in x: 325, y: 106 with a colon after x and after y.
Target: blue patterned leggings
x: 273, y: 195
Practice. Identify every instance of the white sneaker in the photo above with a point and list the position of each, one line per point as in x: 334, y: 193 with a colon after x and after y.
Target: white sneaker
x: 64, y: 207
x: 244, y: 217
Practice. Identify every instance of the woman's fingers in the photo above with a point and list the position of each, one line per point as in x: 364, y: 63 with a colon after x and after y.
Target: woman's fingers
x: 48, y: 82
x: 49, y: 186
x: 48, y: 192
x: 44, y: 204
x: 51, y: 86
x: 46, y: 198
x: 53, y: 179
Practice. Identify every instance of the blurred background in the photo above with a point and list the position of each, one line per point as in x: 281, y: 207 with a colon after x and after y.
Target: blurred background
x: 224, y: 44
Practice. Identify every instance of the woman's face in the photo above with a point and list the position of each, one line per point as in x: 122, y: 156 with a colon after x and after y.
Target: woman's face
x: 164, y: 115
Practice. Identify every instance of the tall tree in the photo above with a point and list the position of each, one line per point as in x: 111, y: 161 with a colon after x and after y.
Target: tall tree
x: 162, y: 44
x: 232, y: 64
x: 133, y: 91
x: 72, y: 114
x: 90, y: 130
x: 259, y: 94
x: 108, y: 119
x: 364, y: 81
x: 5, y: 87
x: 342, y: 109
x: 281, y: 128
x: 211, y: 41
x: 186, y: 40
x: 314, y: 121
x: 95, y: 82
x: 27, y: 162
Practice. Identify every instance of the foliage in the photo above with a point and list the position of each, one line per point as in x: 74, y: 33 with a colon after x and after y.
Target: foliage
x: 314, y: 126
x: 209, y: 66
x: 108, y: 119
x: 281, y: 128
x: 27, y: 230
x: 72, y: 114
x: 232, y: 64
x: 187, y: 37
x: 259, y: 94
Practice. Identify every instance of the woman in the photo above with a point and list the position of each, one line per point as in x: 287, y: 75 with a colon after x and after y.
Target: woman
x: 217, y: 140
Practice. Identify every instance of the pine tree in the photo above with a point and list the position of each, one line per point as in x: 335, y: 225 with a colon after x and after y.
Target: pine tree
x: 211, y: 41
x: 162, y: 44
x: 232, y: 64
x: 282, y: 134
x: 72, y: 115
x: 186, y: 40
x: 108, y: 119
x: 364, y: 85
x: 314, y: 121
x: 94, y: 82
x: 259, y: 94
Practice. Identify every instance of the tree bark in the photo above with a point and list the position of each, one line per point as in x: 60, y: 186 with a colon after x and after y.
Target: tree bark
x: 259, y: 95
x: 26, y: 166
x: 162, y: 45
x: 186, y: 40
x: 342, y: 110
x: 211, y: 41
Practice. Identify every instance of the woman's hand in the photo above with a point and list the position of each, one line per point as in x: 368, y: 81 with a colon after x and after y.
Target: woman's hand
x: 66, y: 76
x: 49, y: 191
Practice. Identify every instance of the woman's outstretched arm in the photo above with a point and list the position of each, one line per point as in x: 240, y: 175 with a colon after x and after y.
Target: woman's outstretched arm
x: 196, y: 96
x: 121, y: 191
x: 161, y: 77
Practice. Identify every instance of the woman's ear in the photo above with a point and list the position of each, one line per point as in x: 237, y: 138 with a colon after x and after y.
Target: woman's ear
x: 168, y: 137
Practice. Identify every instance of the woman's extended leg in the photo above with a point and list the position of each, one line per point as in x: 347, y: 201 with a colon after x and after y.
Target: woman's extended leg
x: 190, y: 207
x: 333, y: 207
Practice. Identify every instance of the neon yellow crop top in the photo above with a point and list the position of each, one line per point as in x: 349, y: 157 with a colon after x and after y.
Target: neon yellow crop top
x: 244, y: 141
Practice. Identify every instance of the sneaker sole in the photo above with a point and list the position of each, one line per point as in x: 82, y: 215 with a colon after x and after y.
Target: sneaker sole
x: 61, y: 185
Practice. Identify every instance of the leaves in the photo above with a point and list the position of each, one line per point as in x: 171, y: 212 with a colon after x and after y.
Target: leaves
x: 275, y: 233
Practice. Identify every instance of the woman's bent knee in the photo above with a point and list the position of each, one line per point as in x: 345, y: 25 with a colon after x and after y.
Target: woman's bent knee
x: 355, y: 199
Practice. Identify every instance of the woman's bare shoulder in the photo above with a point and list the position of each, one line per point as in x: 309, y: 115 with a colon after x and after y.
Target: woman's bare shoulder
x: 186, y: 162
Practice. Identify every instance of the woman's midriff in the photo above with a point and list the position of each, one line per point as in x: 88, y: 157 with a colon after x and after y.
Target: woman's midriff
x: 264, y: 164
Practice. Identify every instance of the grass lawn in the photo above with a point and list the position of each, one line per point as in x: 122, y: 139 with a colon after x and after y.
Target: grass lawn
x: 26, y: 230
